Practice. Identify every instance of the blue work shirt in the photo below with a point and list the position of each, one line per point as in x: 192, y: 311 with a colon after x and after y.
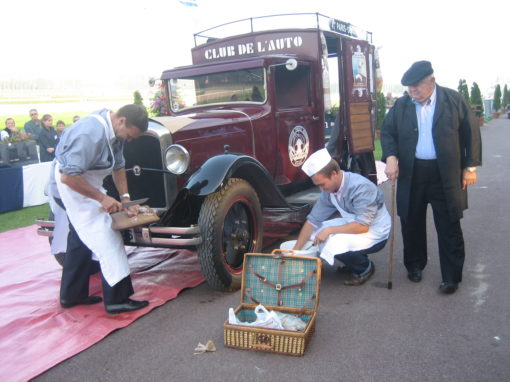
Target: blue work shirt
x: 84, y: 146
x: 357, y: 196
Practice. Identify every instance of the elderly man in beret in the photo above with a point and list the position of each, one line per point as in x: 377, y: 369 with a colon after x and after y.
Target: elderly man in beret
x: 364, y: 225
x: 431, y: 143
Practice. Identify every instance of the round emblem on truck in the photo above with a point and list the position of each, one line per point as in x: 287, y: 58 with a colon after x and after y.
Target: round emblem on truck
x: 299, y: 145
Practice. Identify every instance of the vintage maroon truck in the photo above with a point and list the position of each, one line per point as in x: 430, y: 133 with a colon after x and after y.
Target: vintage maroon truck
x: 222, y: 169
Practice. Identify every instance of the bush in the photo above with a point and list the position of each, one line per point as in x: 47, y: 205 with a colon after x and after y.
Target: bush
x: 463, y: 89
x: 381, y: 110
x: 497, y: 98
x: 476, y: 99
x: 506, y: 97
x: 138, y: 100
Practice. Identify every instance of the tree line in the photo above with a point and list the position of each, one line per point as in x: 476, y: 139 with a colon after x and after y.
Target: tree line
x: 475, y: 98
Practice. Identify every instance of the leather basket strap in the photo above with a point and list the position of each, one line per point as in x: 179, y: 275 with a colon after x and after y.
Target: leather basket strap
x: 278, y: 286
x: 248, y: 294
x: 300, y: 284
x: 262, y: 279
x: 306, y: 304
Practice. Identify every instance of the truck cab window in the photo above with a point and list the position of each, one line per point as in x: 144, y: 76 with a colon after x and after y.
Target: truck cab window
x: 292, y: 87
x: 237, y: 86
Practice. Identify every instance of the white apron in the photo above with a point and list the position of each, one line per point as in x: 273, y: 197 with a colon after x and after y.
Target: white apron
x: 61, y: 228
x: 93, y: 224
x: 378, y: 231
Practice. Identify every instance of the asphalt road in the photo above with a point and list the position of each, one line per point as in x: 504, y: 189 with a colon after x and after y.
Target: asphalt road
x: 367, y: 333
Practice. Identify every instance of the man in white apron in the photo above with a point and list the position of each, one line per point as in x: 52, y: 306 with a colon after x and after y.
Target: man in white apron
x: 90, y: 150
x: 364, y: 221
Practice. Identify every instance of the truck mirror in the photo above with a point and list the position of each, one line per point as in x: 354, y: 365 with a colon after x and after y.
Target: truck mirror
x: 291, y: 64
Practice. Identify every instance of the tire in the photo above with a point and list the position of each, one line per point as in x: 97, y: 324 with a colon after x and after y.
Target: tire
x: 230, y: 222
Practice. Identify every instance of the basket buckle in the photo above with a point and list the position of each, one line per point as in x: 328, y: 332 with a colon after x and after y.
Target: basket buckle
x: 278, y: 286
x: 277, y: 254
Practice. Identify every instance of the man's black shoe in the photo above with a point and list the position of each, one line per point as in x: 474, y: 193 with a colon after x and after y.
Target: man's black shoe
x: 355, y: 280
x: 128, y: 306
x: 414, y: 275
x: 90, y: 300
x: 447, y: 287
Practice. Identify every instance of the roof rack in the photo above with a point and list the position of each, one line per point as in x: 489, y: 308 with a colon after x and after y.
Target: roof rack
x: 315, y: 20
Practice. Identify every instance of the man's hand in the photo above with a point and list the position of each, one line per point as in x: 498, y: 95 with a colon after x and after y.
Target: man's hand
x: 132, y: 210
x: 391, y: 169
x: 110, y: 204
x: 322, y: 236
x: 468, y: 178
x: 304, y: 235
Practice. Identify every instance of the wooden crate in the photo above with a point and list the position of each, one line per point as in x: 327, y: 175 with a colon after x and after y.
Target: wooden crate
x: 281, y: 282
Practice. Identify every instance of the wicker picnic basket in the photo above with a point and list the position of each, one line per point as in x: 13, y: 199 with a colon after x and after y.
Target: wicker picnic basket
x: 281, y: 282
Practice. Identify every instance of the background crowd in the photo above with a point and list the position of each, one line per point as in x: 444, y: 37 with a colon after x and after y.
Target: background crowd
x: 42, y: 131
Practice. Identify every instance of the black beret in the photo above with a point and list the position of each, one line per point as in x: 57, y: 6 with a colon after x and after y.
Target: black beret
x: 418, y: 71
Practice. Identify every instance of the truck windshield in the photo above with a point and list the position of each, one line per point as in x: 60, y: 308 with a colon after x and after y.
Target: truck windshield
x: 239, y: 86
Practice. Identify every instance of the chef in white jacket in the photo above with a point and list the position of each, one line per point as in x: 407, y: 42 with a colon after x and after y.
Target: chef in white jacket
x: 364, y: 222
x: 90, y: 150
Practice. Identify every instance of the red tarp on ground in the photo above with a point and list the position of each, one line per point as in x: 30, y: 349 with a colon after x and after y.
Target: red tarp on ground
x: 36, y: 333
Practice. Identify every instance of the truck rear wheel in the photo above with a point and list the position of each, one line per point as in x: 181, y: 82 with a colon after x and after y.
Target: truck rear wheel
x: 230, y: 221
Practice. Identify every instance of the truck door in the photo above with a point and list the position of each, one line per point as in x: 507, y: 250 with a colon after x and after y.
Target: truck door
x: 297, y: 121
x: 360, y: 93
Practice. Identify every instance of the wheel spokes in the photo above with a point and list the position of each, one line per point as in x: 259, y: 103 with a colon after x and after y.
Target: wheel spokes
x: 237, y: 235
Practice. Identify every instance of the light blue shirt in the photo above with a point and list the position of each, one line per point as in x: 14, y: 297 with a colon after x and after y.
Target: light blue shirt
x: 425, y: 114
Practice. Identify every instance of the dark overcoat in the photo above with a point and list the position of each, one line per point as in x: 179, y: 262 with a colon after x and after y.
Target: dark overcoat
x: 457, y: 142
x: 47, y: 139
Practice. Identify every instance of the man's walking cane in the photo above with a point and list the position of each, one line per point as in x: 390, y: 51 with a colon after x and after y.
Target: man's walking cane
x: 392, y: 238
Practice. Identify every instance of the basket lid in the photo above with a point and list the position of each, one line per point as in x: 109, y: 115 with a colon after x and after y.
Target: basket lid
x: 281, y: 280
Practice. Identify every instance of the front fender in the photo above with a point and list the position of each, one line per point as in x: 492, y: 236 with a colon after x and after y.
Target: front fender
x: 211, y: 176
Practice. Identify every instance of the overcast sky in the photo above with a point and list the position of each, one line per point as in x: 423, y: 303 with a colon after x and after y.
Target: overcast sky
x: 61, y: 38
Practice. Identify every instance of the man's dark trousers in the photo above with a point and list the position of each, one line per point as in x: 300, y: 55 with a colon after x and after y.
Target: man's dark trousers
x: 427, y: 188
x: 78, y: 264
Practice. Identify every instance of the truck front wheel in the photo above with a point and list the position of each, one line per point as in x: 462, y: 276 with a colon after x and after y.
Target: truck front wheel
x: 230, y: 223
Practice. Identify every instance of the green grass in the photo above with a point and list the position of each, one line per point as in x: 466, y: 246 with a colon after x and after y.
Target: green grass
x: 378, y: 149
x: 20, y: 119
x: 22, y: 218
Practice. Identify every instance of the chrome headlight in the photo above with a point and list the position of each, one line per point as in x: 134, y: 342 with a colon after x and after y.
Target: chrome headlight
x: 176, y: 159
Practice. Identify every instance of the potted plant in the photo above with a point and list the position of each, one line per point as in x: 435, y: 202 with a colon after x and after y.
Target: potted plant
x: 19, y: 147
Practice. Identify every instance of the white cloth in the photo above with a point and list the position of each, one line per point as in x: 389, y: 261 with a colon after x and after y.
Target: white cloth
x: 381, y: 176
x: 60, y: 230
x: 308, y: 248
x: 378, y: 231
x: 35, y: 178
x: 93, y: 224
